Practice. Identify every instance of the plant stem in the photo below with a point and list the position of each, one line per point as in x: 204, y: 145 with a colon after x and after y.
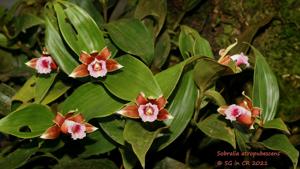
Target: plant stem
x: 193, y: 122
x: 257, y: 135
x: 198, y: 106
x: 104, y: 7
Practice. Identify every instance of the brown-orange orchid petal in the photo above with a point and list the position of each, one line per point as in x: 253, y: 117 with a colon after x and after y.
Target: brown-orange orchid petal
x: 129, y: 111
x: 32, y: 63
x: 85, y: 58
x: 112, y: 65
x: 80, y: 71
x: 90, y: 128
x: 51, y: 133
x: 104, y: 54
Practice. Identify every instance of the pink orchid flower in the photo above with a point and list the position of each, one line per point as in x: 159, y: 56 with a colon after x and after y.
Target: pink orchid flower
x: 148, y: 109
x: 95, y: 64
x: 44, y: 64
x: 74, y: 125
x: 244, y: 113
x: 240, y: 59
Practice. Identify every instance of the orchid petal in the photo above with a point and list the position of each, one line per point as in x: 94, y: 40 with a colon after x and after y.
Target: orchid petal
x: 240, y: 59
x: 43, y: 65
x: 51, y: 133
x: 85, y: 58
x: 70, y: 114
x: 225, y: 60
x: 161, y: 102
x: 256, y: 111
x: 245, y: 119
x: 141, y: 99
x: 53, y: 65
x: 112, y: 65
x: 222, y: 109
x: 97, y: 68
x: 130, y: 111
x: 94, y: 54
x: 164, y: 115
x: 77, y: 118
x: 104, y: 54
x: 77, y: 130
x: 32, y: 63
x: 59, y: 119
x: 90, y: 128
x: 80, y: 71
x: 247, y: 100
x: 148, y: 112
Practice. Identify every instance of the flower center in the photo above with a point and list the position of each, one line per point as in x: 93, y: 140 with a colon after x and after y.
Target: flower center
x: 45, y: 63
x: 235, y: 112
x: 148, y: 111
x: 97, y: 66
x: 76, y: 128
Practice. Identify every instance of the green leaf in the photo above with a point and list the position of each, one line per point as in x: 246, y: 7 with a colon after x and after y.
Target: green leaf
x: 265, y: 88
x: 86, y: 36
x: 26, y: 21
x: 280, y: 142
x: 26, y: 93
x: 43, y: 84
x: 140, y: 139
x: 113, y: 127
x: 181, y: 108
x: 92, y: 9
x: 57, y: 49
x: 168, y: 163
x: 35, y: 117
x: 169, y: 78
x: 156, y: 9
x: 202, y: 48
x: 214, y: 126
x: 129, y: 159
x: 86, y: 164
x: 6, y: 94
x: 17, y: 158
x: 92, y: 101
x: 242, y: 139
x: 57, y: 90
x: 215, y: 96
x: 3, y: 40
x: 96, y: 144
x: 192, y: 44
x: 131, y: 36
x: 162, y: 50
x: 133, y: 78
x: 207, y: 71
x: 276, y: 124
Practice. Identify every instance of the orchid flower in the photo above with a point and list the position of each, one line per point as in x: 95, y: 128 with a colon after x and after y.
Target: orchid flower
x: 238, y: 59
x: 74, y: 125
x: 44, y: 64
x: 244, y: 113
x: 148, y: 109
x: 95, y: 64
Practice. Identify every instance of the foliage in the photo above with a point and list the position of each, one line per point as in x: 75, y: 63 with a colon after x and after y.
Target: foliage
x: 115, y: 64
